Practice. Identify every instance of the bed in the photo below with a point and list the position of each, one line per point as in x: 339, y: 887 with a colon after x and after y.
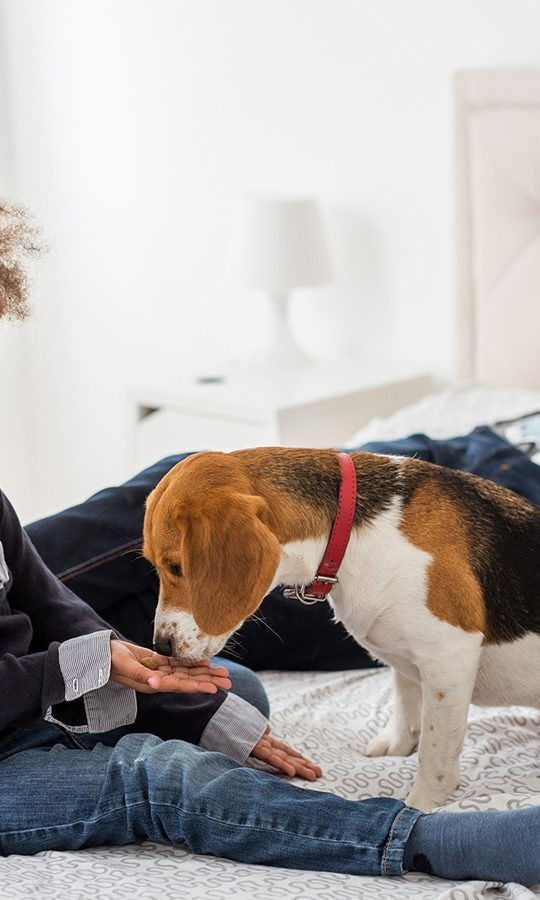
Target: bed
x: 332, y: 715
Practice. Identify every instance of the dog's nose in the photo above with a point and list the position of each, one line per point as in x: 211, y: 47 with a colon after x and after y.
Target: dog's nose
x: 163, y: 646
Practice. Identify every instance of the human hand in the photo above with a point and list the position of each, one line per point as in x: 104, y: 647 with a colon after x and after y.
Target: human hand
x: 279, y: 755
x: 169, y: 676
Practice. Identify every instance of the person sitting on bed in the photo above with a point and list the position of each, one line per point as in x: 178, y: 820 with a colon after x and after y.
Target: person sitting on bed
x: 96, y: 749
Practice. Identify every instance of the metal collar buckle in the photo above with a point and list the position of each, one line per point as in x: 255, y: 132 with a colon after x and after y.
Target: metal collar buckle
x: 319, y: 588
x: 301, y: 591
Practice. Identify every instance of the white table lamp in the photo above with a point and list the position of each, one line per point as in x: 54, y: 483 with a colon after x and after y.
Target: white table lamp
x: 277, y: 245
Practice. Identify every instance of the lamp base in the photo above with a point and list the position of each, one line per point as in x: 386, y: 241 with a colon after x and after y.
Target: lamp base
x: 282, y: 349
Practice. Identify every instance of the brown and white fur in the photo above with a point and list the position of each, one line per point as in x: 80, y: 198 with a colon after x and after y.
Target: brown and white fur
x: 441, y: 579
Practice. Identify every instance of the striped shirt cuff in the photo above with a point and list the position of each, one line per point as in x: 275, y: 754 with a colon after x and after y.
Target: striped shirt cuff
x: 85, y: 663
x: 234, y: 729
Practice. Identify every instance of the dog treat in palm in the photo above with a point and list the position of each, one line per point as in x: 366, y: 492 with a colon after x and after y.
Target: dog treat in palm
x: 150, y: 662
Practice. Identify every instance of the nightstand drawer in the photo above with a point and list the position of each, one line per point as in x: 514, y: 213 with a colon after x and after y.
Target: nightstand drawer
x: 168, y: 431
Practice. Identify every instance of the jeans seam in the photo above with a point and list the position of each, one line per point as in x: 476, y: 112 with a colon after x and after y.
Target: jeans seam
x: 99, y: 560
x: 265, y: 828
x: 384, y: 863
x: 109, y: 812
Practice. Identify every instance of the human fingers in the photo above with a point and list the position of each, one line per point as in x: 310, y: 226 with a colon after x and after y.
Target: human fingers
x: 291, y: 751
x: 210, y: 672
x: 188, y: 684
x: 170, y: 665
x: 289, y: 761
x: 264, y: 753
x: 150, y: 681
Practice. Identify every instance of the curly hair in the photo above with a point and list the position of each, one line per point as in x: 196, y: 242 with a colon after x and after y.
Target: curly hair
x: 19, y: 241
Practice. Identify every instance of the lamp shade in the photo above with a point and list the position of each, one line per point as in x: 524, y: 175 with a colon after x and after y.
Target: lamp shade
x: 278, y: 244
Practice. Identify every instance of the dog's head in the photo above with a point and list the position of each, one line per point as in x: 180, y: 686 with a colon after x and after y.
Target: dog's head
x: 206, y: 535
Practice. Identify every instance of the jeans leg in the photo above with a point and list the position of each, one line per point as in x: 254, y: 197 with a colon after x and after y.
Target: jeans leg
x: 246, y: 684
x: 55, y: 798
x: 482, y: 452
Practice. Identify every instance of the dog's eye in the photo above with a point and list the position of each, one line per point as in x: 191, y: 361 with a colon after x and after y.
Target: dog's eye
x: 175, y: 570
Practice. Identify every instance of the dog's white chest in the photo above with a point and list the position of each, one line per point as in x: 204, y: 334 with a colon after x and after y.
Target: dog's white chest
x: 381, y: 597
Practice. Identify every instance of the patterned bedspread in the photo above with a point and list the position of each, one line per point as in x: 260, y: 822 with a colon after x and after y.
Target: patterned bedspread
x: 331, y: 716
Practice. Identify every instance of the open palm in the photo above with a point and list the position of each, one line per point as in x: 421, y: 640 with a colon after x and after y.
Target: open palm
x: 168, y: 676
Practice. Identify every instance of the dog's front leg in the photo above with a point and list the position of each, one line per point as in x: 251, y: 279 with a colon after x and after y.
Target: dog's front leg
x: 447, y: 686
x: 400, y: 736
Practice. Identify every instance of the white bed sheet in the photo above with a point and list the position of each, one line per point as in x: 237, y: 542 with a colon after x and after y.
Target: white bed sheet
x: 331, y: 717
x: 454, y: 411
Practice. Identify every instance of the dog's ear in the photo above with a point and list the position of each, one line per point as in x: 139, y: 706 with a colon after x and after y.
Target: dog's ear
x: 150, y: 506
x: 230, y: 557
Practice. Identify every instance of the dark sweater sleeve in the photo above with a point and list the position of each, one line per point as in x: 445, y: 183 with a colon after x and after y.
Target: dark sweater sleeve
x: 41, y: 613
x: 56, y: 613
x: 29, y: 685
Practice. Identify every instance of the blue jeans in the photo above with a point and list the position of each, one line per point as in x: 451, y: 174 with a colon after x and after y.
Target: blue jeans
x: 246, y: 684
x: 482, y: 452
x: 125, y: 788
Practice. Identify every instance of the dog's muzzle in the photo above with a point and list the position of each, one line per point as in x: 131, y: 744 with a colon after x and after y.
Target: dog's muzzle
x: 177, y: 634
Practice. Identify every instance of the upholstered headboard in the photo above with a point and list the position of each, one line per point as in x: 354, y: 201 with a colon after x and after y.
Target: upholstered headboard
x: 498, y: 226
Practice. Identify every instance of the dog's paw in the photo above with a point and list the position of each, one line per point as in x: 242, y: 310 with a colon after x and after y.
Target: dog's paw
x: 393, y: 743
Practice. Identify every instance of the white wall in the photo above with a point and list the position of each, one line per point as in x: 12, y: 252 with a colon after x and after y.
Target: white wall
x: 134, y: 124
x: 15, y: 458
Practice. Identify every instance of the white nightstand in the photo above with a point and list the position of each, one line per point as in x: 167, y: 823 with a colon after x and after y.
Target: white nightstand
x: 314, y: 406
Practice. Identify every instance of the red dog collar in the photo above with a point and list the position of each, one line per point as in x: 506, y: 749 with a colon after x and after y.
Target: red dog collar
x: 326, y: 576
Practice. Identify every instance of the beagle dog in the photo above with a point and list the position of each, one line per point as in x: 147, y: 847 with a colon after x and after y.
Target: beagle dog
x: 440, y: 579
